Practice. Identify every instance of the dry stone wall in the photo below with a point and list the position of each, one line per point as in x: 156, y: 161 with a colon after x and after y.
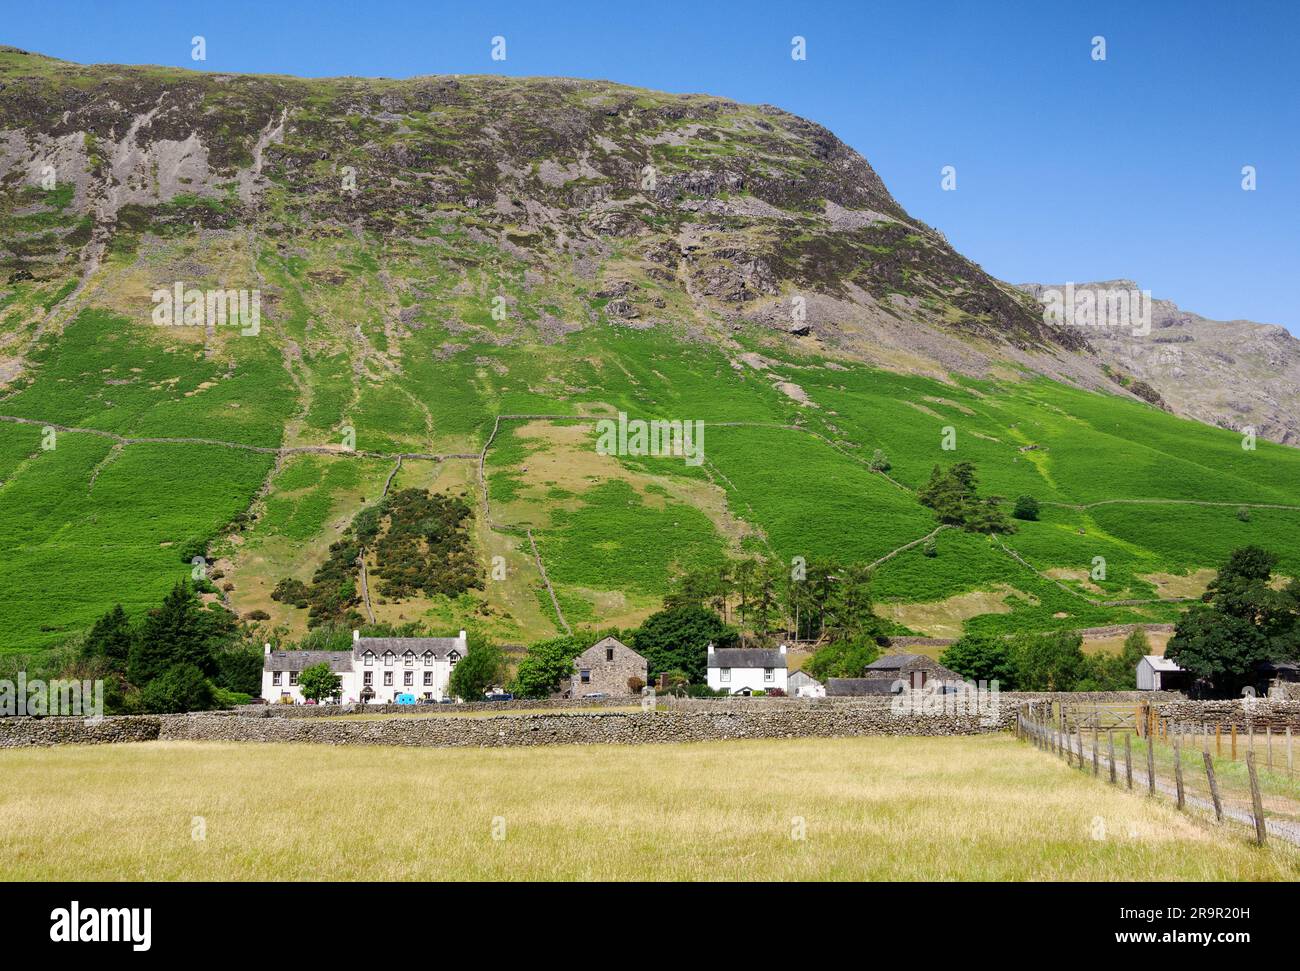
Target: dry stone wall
x: 27, y: 732
x: 333, y: 711
x: 1258, y: 713
x: 688, y: 720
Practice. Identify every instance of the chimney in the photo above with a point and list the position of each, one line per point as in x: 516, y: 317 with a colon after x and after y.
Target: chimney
x: 463, y: 637
x: 356, y: 636
x: 268, y: 648
x: 782, y: 648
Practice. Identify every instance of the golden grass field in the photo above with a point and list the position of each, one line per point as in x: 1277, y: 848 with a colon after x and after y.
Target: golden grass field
x: 981, y: 808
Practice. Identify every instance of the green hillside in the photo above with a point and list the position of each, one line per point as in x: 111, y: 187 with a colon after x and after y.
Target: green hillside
x: 526, y: 272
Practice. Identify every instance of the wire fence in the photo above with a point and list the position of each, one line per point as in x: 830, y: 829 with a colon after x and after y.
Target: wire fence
x: 1241, y: 777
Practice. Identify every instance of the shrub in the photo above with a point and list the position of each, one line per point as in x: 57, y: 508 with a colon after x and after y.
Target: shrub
x: 634, y: 685
x: 1243, y: 514
x: 239, y: 669
x: 180, y: 688
x: 290, y: 591
x: 476, y: 671
x: 1026, y: 508
x: 317, y: 682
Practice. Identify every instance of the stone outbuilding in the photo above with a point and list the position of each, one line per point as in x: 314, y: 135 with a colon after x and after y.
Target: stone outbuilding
x: 605, y: 668
x: 890, y: 674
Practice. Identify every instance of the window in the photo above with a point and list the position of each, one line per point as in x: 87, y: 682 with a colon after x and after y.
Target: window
x: 275, y: 677
x: 428, y: 679
x: 388, y: 660
x: 408, y: 659
x: 408, y: 678
x: 724, y: 674
x: 369, y: 678
x: 370, y: 660
x: 609, y: 654
x: 453, y: 657
x: 293, y: 677
x: 586, y: 676
x: 428, y: 658
x: 388, y: 679
x: 767, y: 674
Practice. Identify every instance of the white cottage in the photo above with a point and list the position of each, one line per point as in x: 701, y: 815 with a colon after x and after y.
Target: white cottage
x: 379, y: 669
x: 743, y: 670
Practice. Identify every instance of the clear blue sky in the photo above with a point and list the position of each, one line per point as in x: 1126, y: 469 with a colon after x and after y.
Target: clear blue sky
x: 1067, y: 168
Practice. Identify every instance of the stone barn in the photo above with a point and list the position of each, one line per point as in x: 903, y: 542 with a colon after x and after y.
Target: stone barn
x: 604, y: 669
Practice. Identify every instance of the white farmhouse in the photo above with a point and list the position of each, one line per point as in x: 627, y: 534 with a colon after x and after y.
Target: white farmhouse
x: 377, y: 669
x: 743, y: 670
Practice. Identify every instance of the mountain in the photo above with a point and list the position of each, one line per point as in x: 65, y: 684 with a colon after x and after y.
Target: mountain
x: 1230, y: 373
x: 454, y: 280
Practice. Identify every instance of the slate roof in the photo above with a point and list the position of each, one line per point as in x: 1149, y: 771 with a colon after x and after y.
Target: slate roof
x: 802, y: 677
x: 745, y: 657
x: 842, y: 687
x: 1162, y: 664
x: 340, y: 662
x: 892, y: 662
x: 438, y: 646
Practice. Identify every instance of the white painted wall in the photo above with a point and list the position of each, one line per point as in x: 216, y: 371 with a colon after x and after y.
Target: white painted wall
x: 753, y: 678
x: 353, y: 682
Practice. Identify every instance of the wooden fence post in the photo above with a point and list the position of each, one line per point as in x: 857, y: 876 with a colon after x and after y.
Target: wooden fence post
x: 1234, y: 741
x: 1128, y: 759
x: 1218, y: 738
x: 1268, y: 735
x: 1151, y: 766
x: 1290, y: 765
x: 1080, y: 737
x: 1214, y: 786
x: 1261, y: 830
x: 1178, y: 770
x: 1096, y: 754
x: 1110, y: 743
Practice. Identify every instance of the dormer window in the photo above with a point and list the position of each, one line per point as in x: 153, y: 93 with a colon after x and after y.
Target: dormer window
x: 428, y: 658
x: 370, y: 660
x: 388, y: 659
x: 408, y: 659
x: 453, y: 657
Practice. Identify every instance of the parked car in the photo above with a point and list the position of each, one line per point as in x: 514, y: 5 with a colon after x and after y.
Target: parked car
x: 596, y: 694
x: 501, y: 696
x: 446, y: 701
x: 404, y: 700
